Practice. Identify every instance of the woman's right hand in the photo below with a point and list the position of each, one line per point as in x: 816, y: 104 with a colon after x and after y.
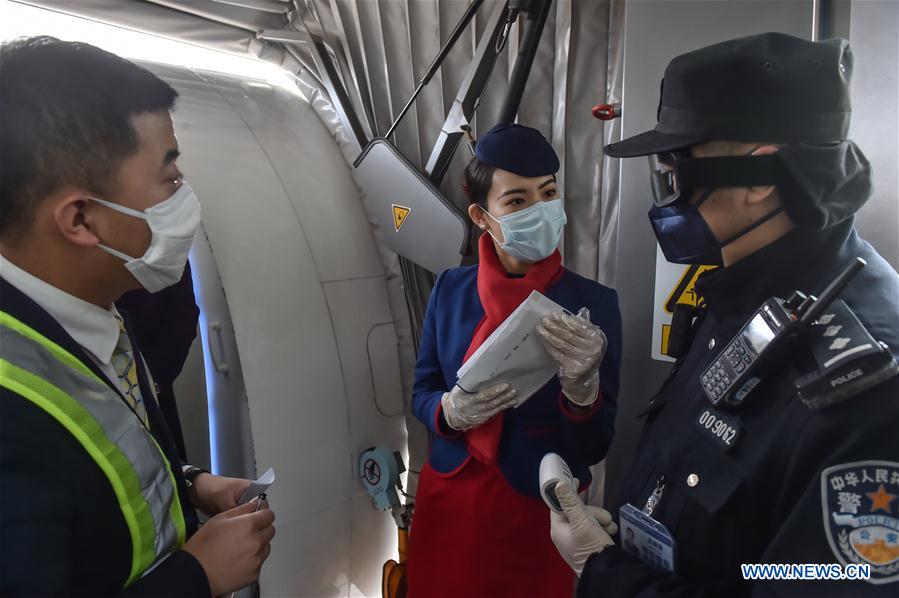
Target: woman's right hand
x: 463, y: 411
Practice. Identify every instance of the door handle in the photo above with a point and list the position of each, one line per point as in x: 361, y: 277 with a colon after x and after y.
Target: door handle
x: 216, y: 348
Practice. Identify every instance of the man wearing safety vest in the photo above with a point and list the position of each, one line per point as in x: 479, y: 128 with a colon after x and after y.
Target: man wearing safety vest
x: 94, y: 499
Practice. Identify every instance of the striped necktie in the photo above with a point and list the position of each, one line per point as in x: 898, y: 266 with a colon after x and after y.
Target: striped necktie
x: 126, y: 369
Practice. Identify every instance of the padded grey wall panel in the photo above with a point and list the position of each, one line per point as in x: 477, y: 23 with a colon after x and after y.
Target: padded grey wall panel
x: 283, y: 218
x: 874, y: 34
x: 314, y: 176
x: 229, y: 436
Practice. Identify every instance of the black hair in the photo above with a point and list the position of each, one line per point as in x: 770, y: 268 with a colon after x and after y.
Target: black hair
x: 65, y: 119
x: 478, y: 179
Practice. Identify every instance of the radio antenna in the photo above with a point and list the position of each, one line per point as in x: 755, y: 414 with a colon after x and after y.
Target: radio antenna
x: 831, y: 292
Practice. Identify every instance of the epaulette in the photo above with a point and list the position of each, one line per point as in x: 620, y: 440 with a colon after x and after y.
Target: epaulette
x: 849, y: 360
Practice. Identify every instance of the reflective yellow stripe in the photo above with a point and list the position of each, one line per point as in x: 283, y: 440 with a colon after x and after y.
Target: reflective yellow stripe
x: 71, y: 415
x: 58, y: 352
x: 175, y: 511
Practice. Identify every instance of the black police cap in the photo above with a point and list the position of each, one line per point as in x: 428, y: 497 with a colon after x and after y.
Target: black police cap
x: 769, y: 87
x: 519, y: 149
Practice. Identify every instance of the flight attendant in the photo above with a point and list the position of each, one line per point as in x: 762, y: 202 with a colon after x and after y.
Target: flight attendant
x: 480, y: 527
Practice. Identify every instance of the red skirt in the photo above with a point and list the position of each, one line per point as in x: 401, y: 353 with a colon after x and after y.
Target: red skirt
x: 474, y: 536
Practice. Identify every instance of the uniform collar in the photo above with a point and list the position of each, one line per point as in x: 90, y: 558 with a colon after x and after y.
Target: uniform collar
x: 95, y: 329
x: 777, y: 269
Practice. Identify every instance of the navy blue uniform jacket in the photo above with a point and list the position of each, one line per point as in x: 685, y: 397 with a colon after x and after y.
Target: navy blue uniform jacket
x: 773, y: 496
x: 541, y: 424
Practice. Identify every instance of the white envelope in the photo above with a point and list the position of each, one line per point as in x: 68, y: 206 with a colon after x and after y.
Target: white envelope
x: 513, y: 353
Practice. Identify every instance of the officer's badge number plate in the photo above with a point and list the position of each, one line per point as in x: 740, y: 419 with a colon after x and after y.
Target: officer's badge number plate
x: 861, y: 515
x: 723, y: 430
x: 645, y: 538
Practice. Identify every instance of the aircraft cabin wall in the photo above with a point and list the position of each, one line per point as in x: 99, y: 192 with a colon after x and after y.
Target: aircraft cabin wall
x: 872, y: 29
x: 300, y: 351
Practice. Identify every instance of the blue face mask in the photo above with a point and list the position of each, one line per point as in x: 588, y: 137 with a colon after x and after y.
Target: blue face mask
x: 685, y: 236
x: 532, y: 234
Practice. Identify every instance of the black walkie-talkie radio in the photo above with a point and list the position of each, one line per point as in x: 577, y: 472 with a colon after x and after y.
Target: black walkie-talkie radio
x: 738, y: 369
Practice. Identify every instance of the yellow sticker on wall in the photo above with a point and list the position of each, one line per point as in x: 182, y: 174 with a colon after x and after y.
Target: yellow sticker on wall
x: 685, y: 289
x: 666, y: 334
x: 400, y: 213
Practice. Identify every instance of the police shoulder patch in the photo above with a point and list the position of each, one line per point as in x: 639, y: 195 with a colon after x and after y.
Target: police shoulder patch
x: 861, y: 515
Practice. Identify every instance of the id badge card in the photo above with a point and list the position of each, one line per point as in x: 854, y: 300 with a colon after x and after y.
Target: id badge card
x: 646, y: 538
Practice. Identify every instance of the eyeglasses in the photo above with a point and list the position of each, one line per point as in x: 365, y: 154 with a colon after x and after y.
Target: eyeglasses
x: 677, y: 175
x: 666, y: 185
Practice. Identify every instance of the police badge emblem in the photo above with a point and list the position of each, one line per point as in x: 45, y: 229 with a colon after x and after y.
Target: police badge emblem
x: 861, y: 515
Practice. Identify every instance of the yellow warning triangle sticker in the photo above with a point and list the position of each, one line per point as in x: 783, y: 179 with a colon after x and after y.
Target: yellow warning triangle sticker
x: 400, y: 213
x: 684, y: 291
x: 666, y: 335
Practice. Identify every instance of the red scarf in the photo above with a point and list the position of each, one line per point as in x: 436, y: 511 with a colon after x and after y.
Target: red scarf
x: 501, y: 295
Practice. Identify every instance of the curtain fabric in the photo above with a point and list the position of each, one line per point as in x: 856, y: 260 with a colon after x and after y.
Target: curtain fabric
x: 384, y: 47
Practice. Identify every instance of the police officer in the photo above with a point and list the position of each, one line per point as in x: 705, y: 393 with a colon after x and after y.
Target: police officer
x: 92, y: 204
x: 753, y: 172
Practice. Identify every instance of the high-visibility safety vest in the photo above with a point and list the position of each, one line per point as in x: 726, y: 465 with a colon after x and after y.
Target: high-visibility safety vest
x: 41, y: 371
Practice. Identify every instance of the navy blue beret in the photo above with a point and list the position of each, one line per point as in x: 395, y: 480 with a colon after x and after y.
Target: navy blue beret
x: 520, y: 150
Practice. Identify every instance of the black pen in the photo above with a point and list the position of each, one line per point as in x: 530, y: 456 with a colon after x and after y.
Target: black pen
x: 259, y: 501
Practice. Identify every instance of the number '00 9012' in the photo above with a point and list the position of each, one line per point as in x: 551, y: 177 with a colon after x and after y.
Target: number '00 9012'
x: 719, y: 428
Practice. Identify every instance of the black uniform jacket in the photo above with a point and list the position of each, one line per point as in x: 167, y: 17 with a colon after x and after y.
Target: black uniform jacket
x: 762, y: 501
x: 165, y: 326
x: 61, y: 530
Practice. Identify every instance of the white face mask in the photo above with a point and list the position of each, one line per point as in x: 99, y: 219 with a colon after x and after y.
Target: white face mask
x: 173, y: 224
x: 532, y: 234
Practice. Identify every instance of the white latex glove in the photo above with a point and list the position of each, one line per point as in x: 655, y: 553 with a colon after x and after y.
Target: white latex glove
x: 463, y: 411
x: 582, y: 530
x: 578, y: 346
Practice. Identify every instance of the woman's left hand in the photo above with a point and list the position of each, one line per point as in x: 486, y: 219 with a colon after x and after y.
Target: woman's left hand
x: 578, y: 346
